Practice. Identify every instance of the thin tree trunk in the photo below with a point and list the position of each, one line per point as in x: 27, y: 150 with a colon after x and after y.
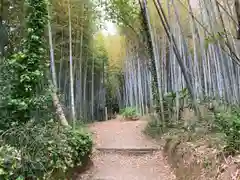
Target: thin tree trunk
x: 58, y: 107
x: 71, y: 67
x: 53, y: 70
x: 151, y: 49
x: 237, y: 9
x: 177, y: 54
x: 56, y: 101
x: 92, y: 90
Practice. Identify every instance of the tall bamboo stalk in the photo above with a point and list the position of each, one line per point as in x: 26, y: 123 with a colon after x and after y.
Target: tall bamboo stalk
x: 71, y: 67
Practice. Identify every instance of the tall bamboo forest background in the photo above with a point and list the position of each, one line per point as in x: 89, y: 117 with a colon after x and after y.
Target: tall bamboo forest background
x: 161, y: 49
x: 59, y: 68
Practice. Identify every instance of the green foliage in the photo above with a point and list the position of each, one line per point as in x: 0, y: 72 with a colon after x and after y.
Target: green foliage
x: 213, y: 38
x: 82, y: 144
x: 31, y: 148
x: 9, y: 161
x: 27, y: 95
x: 169, y: 102
x: 155, y: 128
x: 37, y: 151
x: 228, y: 122
x: 122, y: 12
x: 170, y: 97
x: 129, y: 112
x: 99, y: 54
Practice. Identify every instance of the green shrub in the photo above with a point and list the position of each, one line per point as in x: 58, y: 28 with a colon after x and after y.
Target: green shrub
x: 154, y: 128
x: 228, y: 122
x: 44, y: 151
x: 81, y: 144
x: 128, y: 112
x: 10, y: 160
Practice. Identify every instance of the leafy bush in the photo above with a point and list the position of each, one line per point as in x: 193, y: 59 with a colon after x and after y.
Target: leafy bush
x: 81, y: 144
x: 43, y: 151
x: 228, y: 122
x: 129, y: 112
x: 154, y: 128
x: 169, y: 103
x: 10, y: 160
x: 28, y: 68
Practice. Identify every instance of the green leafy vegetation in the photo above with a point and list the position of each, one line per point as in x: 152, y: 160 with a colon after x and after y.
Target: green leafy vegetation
x: 28, y: 95
x: 129, y: 112
x: 36, y: 151
x: 219, y: 121
x: 166, y: 59
x: 33, y: 144
x: 154, y: 128
x: 228, y: 122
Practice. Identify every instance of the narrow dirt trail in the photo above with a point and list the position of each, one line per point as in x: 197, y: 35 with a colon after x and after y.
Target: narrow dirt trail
x: 122, y: 152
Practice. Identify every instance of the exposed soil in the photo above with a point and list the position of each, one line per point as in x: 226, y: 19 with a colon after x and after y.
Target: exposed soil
x: 198, y: 161
x: 122, y: 152
x: 200, y: 158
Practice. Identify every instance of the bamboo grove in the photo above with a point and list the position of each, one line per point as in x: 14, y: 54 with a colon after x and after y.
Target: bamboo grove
x: 77, y: 56
x: 162, y: 47
x: 194, y: 48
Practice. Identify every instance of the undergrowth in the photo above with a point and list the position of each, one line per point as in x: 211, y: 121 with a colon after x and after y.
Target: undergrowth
x: 129, y: 112
x: 156, y: 128
x: 33, y: 145
x: 228, y: 122
x: 42, y: 152
x: 224, y: 127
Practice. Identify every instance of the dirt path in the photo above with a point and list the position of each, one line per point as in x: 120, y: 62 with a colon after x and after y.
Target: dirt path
x: 122, y: 152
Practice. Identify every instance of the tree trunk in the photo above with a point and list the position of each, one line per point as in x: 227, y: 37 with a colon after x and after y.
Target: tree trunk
x: 237, y: 9
x: 53, y: 71
x: 71, y: 67
x: 150, y: 44
x: 56, y: 102
x: 92, y: 90
x: 59, y: 110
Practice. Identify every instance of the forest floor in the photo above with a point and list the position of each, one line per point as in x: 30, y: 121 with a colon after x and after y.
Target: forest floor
x: 123, y: 152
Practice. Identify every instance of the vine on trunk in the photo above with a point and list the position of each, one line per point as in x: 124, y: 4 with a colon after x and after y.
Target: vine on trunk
x: 28, y: 95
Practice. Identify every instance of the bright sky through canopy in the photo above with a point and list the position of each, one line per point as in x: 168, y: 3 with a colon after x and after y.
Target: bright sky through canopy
x: 110, y: 28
